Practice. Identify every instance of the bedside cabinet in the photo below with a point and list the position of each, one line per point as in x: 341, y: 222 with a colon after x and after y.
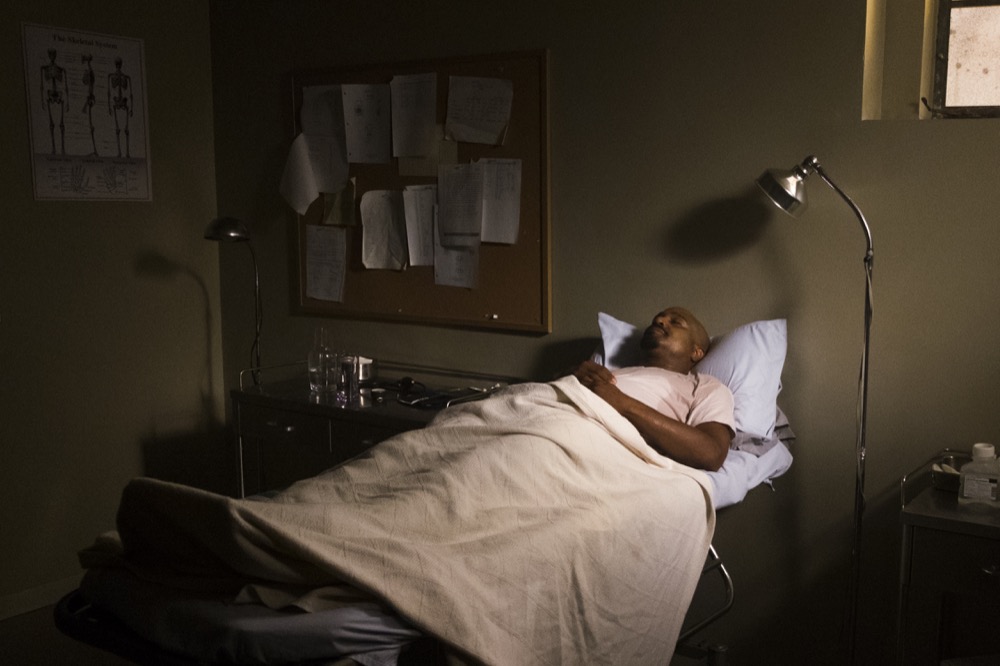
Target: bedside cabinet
x: 949, y: 579
x: 283, y: 433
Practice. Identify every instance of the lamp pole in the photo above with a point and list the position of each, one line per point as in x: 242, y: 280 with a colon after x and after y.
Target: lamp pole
x: 787, y: 191
x: 233, y: 230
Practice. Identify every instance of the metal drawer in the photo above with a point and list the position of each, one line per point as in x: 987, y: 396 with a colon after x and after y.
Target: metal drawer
x: 288, y: 427
x: 955, y: 562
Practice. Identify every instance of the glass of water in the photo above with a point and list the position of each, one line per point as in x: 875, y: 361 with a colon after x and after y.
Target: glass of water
x: 324, y: 364
x: 349, y: 381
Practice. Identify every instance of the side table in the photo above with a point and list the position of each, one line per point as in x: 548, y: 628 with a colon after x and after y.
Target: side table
x: 949, y: 596
x: 285, y: 433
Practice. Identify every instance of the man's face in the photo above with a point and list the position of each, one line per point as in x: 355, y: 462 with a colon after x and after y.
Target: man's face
x: 670, y: 337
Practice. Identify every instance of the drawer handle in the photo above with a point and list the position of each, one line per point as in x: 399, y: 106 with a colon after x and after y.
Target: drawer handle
x: 274, y: 425
x: 991, y: 570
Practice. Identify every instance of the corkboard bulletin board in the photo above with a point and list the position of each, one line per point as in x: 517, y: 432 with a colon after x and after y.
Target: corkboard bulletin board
x: 513, y: 291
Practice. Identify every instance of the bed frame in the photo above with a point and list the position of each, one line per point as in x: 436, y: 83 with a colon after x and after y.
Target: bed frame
x: 80, y: 620
x: 714, y: 654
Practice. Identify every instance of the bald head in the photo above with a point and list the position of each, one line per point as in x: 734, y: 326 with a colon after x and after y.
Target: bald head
x: 675, y: 340
x: 698, y: 330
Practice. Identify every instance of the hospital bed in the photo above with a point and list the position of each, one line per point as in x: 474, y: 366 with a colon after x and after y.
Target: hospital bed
x: 154, y: 619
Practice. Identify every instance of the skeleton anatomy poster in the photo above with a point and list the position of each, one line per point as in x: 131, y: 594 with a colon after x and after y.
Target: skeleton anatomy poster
x: 87, y: 115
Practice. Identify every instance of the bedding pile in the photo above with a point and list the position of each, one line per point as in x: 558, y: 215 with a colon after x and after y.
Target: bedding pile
x: 535, y: 526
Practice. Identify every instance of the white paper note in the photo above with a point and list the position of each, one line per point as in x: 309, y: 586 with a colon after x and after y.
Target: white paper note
x: 367, y: 122
x: 298, y: 184
x: 442, y: 152
x: 322, y: 111
x: 478, y: 109
x: 326, y: 262
x: 384, y: 226
x: 455, y: 266
x: 460, y: 204
x: 501, y: 200
x: 418, y: 203
x: 414, y: 110
x: 314, y: 164
x: 338, y: 208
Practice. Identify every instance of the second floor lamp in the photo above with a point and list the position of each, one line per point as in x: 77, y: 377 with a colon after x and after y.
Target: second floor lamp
x: 233, y: 230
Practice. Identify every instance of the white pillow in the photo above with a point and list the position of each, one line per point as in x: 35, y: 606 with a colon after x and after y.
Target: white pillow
x: 621, y: 342
x: 748, y: 360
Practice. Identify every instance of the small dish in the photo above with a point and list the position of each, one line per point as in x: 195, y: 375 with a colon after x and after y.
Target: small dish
x: 945, y: 470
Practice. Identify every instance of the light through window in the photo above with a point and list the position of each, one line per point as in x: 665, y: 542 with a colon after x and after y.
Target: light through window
x: 967, y: 59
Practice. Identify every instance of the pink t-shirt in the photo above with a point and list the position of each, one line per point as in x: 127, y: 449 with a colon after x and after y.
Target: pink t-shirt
x: 693, y: 398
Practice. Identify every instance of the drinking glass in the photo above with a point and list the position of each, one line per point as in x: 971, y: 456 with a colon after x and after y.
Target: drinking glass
x: 323, y: 362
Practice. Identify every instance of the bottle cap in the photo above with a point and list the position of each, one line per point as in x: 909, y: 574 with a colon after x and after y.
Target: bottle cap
x: 982, y: 450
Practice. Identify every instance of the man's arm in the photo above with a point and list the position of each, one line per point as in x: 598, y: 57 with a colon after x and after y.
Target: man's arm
x: 703, y: 446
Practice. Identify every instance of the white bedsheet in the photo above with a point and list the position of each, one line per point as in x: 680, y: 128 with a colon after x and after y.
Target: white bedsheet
x: 532, y: 527
x: 743, y: 471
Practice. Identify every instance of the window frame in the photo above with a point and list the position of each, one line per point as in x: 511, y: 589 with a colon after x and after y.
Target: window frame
x: 938, y: 107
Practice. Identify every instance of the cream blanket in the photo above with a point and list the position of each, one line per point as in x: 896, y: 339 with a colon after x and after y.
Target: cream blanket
x: 533, y: 527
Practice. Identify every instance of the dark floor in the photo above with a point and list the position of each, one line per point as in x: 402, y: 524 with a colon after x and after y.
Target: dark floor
x: 32, y: 639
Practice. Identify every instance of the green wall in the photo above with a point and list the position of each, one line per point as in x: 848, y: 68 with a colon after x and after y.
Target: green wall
x: 111, y: 361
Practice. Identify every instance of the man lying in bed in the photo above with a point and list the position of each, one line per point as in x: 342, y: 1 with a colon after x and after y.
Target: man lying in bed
x: 684, y: 415
x: 560, y: 522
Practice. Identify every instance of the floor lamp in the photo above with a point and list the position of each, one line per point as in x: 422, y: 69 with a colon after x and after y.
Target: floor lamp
x: 233, y: 230
x: 787, y: 190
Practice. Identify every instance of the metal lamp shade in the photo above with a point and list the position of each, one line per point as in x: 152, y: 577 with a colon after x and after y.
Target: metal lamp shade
x: 787, y: 189
x: 227, y: 229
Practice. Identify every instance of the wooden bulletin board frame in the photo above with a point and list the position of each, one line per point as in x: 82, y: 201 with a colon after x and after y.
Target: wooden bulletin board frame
x: 514, y: 283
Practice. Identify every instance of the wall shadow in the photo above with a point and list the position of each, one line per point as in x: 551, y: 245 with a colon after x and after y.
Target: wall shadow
x: 201, y: 459
x: 151, y: 264
x: 557, y: 359
x: 191, y: 449
x: 717, y: 229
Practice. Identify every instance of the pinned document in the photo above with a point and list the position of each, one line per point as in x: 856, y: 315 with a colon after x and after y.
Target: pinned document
x: 455, y: 266
x: 338, y: 208
x: 316, y: 161
x: 501, y: 200
x: 419, y: 202
x: 478, y: 109
x: 414, y: 106
x: 367, y: 122
x: 326, y: 262
x: 460, y: 204
x: 314, y: 165
x: 382, y: 219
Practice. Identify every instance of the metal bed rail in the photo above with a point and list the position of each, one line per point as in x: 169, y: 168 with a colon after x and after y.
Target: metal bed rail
x: 713, y: 654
